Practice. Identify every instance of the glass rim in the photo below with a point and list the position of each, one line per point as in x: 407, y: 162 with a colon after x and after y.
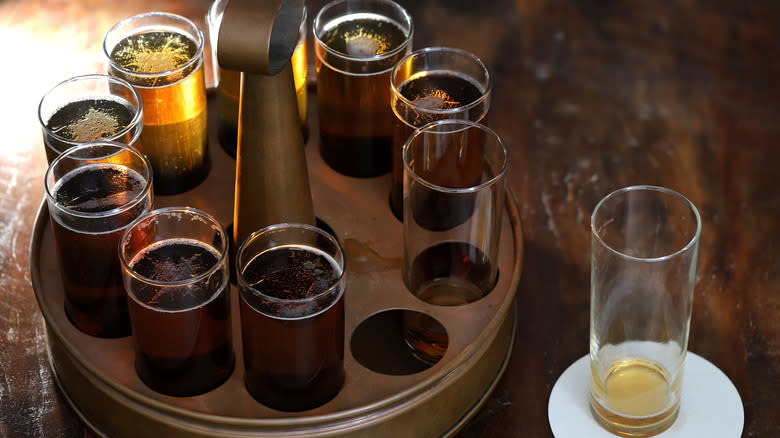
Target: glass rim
x: 468, y: 124
x: 692, y: 242
x: 441, y: 49
x: 88, y: 145
x: 281, y: 226
x: 213, y: 20
x: 136, y: 121
x: 223, y: 251
x: 194, y: 60
x: 367, y: 59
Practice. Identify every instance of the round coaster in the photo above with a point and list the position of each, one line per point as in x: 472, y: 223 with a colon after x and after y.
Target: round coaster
x: 710, y: 405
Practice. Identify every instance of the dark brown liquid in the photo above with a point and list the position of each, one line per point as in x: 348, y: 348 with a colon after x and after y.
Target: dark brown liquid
x: 292, y: 364
x: 227, y: 99
x: 88, y: 120
x: 174, y: 137
x: 451, y: 262
x: 427, y: 338
x: 354, y: 109
x: 454, y: 162
x: 432, y: 92
x: 95, y: 298
x: 183, y: 347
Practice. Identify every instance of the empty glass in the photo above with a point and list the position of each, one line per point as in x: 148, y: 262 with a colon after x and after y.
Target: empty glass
x: 644, y: 245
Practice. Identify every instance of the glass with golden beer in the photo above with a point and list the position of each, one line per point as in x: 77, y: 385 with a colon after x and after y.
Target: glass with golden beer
x: 162, y: 56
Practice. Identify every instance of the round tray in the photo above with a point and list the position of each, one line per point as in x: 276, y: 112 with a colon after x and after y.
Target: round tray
x: 98, y: 378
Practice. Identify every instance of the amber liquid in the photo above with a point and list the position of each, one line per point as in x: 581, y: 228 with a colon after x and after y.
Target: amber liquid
x: 446, y: 274
x: 95, y: 299
x: 89, y: 120
x: 431, y: 92
x: 292, y: 363
x: 354, y: 109
x: 174, y: 136
x: 636, y: 398
x: 182, y: 334
x: 228, y: 93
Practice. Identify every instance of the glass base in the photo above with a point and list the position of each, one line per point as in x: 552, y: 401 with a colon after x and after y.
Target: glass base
x: 710, y: 405
x: 633, y: 426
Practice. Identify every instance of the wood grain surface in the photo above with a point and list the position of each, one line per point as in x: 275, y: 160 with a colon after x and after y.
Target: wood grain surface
x: 589, y: 95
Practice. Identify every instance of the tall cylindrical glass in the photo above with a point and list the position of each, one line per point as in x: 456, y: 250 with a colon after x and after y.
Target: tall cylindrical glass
x: 89, y: 108
x: 357, y: 43
x: 291, y: 286
x: 161, y: 54
x: 432, y: 84
x: 229, y: 81
x: 644, y: 245
x: 454, y: 187
x: 93, y: 192
x: 175, y: 271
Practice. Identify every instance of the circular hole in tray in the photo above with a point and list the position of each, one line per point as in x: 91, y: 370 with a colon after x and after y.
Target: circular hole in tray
x: 378, y: 343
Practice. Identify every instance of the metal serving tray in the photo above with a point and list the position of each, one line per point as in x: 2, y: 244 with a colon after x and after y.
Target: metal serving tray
x: 98, y: 378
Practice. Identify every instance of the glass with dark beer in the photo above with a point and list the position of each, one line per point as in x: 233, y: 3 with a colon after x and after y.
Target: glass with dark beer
x: 93, y: 191
x: 161, y: 55
x: 291, y: 287
x: 432, y: 84
x: 357, y: 43
x: 175, y: 272
x: 88, y: 108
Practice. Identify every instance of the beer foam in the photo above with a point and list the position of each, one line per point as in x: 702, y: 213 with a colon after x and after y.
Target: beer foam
x: 364, y: 45
x: 93, y: 126
x: 301, y: 300
x: 365, y: 39
x: 153, y: 52
x: 183, y: 260
x: 438, y: 100
x: 98, y: 188
x: 92, y: 118
x: 175, y: 261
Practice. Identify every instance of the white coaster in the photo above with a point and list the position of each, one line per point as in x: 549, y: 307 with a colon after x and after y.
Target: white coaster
x: 709, y: 406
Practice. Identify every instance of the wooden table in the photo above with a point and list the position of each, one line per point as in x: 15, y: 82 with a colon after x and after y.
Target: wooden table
x: 589, y: 97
